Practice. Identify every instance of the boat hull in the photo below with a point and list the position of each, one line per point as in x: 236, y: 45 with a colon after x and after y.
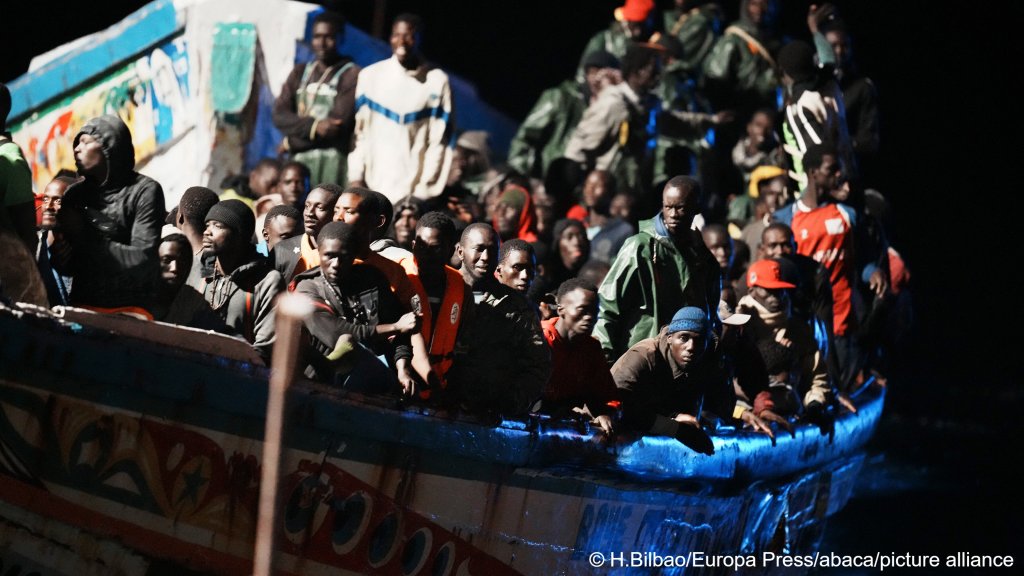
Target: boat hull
x: 151, y: 455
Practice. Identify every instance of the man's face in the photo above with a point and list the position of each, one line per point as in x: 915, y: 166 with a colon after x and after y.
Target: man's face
x: 596, y: 190
x: 775, y: 243
x: 403, y: 41
x: 89, y: 156
x: 774, y: 299
x: 842, y: 192
x: 53, y: 195
x: 325, y: 41
x: 678, y: 207
x: 279, y: 228
x: 774, y: 193
x: 759, y: 127
x: 573, y: 247
x: 336, y: 260
x: 264, y: 181
x: 319, y: 210
x: 291, y: 186
x: 720, y: 246
x: 347, y: 209
x: 686, y: 347
x: 508, y: 219
x: 175, y: 263
x: 577, y: 311
x: 479, y: 253
x: 756, y: 10
x: 517, y: 271
x: 219, y: 238
x: 622, y: 206
x: 636, y: 30
x: 430, y: 249
x: 840, y: 45
x: 544, y: 210
x: 405, y: 226
x: 826, y: 176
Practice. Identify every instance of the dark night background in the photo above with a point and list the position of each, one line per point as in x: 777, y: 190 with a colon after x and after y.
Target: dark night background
x: 942, y: 474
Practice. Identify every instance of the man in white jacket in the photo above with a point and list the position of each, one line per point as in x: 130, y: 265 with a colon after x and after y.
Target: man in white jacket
x: 404, y: 121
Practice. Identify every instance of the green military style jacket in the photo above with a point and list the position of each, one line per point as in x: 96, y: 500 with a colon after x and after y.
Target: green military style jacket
x: 545, y: 132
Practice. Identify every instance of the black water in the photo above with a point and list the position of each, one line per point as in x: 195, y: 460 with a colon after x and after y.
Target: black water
x: 944, y: 472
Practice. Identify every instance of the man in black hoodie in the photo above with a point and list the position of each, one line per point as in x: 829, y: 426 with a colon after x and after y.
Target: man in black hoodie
x: 110, y: 221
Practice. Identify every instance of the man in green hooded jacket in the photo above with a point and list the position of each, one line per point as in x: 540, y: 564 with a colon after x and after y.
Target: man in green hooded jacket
x: 659, y: 270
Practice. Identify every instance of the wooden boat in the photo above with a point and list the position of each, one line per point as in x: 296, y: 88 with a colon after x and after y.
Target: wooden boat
x: 126, y: 446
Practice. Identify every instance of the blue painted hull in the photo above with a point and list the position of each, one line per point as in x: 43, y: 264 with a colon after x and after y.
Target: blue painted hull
x: 155, y: 450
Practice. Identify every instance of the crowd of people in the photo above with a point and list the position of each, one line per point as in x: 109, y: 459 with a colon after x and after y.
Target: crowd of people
x: 680, y: 234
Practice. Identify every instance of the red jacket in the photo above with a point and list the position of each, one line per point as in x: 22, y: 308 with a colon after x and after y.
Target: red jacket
x: 579, y: 374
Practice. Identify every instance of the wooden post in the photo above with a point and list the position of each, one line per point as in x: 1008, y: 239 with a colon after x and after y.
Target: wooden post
x: 291, y: 310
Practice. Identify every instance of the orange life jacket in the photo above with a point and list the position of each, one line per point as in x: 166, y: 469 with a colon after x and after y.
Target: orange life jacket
x: 440, y: 333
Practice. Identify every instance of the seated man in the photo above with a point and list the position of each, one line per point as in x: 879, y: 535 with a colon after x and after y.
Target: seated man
x: 242, y: 285
x: 356, y: 317
x: 579, y: 374
x: 768, y: 304
x: 444, y: 299
x: 175, y: 302
x: 664, y: 382
x: 503, y: 365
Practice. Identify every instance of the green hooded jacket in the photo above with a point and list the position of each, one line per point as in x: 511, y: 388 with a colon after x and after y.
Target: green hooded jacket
x: 650, y: 279
x: 545, y: 132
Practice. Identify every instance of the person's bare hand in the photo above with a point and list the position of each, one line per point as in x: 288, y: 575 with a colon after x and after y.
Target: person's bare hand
x: 816, y: 15
x: 723, y: 117
x: 408, y: 323
x: 772, y: 416
x: 328, y: 128
x: 759, y: 425
x: 604, y: 422
x: 408, y: 379
x: 878, y: 283
x: 846, y: 403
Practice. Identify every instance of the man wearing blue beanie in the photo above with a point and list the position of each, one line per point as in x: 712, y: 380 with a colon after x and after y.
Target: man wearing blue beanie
x: 666, y: 381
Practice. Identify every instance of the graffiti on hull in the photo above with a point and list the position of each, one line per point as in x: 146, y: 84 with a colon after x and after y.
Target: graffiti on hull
x: 151, y: 94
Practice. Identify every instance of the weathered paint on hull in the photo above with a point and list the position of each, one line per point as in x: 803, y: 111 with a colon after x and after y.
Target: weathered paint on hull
x: 158, y: 452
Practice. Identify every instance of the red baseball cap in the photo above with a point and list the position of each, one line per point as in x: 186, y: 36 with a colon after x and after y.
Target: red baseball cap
x: 766, y: 274
x: 634, y: 10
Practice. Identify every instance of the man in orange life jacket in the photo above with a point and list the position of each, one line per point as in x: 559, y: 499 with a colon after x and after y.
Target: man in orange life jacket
x: 441, y: 287
x: 297, y: 254
x: 369, y: 212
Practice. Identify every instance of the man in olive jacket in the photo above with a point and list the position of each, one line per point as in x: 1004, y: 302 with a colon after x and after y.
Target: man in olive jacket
x: 659, y: 270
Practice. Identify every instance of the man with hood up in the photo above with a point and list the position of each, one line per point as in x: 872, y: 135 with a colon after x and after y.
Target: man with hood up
x: 110, y: 221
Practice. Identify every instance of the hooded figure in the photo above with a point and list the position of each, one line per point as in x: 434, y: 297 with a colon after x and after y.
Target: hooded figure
x: 515, y: 216
x: 110, y: 221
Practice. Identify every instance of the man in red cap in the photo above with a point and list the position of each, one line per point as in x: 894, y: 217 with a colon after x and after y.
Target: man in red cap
x: 634, y: 22
x: 768, y: 304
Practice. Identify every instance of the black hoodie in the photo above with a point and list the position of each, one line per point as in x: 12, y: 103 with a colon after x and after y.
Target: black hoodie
x: 114, y: 251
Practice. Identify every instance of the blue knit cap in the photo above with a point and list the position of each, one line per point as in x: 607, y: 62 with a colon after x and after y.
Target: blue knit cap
x: 690, y: 319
